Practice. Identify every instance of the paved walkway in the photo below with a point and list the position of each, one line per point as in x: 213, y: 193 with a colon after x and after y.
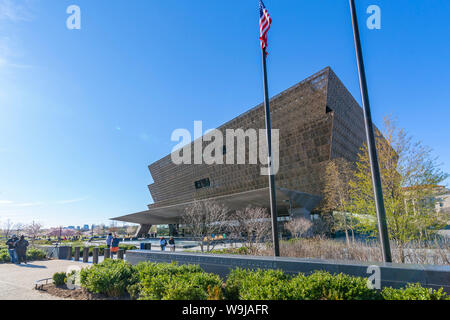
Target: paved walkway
x: 17, y: 282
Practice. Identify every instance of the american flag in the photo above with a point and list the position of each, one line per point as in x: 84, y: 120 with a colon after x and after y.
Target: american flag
x: 264, y: 25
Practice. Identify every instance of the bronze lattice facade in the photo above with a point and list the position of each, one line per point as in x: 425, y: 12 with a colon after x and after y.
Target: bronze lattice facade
x: 319, y: 120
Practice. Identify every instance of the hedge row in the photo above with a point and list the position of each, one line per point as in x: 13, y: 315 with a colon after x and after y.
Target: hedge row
x: 172, y: 282
x: 275, y: 285
x: 162, y: 281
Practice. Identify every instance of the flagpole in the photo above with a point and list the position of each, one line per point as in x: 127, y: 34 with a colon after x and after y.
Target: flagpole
x: 273, y: 199
x: 374, y: 166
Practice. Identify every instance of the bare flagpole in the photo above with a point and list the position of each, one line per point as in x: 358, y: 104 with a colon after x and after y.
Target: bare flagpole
x: 273, y: 196
x: 371, y: 145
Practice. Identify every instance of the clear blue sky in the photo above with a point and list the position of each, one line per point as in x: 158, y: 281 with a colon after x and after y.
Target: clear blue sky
x: 84, y: 112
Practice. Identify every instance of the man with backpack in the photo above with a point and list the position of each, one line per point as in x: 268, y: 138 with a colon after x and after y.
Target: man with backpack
x: 21, y: 250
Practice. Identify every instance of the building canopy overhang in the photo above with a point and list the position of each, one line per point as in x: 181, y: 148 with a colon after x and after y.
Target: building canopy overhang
x: 256, y: 198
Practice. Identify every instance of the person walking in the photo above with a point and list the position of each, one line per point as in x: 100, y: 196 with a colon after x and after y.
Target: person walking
x: 21, y: 250
x: 163, y: 244
x: 114, y: 246
x: 11, y: 248
x: 172, y: 244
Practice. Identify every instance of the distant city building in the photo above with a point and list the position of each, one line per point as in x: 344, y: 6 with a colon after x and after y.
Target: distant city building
x: 78, y: 228
x: 319, y: 121
x: 438, y: 196
x: 442, y: 198
x: 71, y: 227
x: 86, y: 227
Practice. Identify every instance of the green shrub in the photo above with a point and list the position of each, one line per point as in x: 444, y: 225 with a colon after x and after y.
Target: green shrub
x: 195, y: 286
x: 134, y: 290
x: 169, y: 281
x: 414, y: 292
x: 153, y: 288
x: 111, y: 277
x: 59, y: 278
x: 4, y: 256
x: 275, y: 285
x: 127, y: 247
x: 324, y: 286
x: 257, y: 285
x: 181, y: 290
x: 36, y: 254
x: 164, y: 281
x: 148, y: 269
x: 43, y: 242
x: 32, y: 255
x: 191, y: 286
x: 239, y: 251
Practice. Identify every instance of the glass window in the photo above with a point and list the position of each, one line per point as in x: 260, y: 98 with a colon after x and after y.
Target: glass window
x: 204, y: 183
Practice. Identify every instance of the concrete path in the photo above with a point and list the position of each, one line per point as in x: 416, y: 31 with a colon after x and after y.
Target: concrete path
x: 17, y: 281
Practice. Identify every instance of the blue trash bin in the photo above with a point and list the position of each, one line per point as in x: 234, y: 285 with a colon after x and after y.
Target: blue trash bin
x: 146, y: 246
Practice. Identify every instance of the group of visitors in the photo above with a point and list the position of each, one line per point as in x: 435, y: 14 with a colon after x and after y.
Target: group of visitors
x: 112, y: 241
x: 17, y: 249
x: 163, y: 243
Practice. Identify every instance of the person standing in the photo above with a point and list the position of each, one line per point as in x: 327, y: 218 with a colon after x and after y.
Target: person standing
x: 11, y: 248
x: 109, y: 240
x: 172, y: 244
x: 163, y: 244
x: 114, y: 246
x: 21, y: 250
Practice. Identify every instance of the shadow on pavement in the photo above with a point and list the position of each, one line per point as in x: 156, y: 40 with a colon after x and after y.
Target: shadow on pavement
x: 31, y: 266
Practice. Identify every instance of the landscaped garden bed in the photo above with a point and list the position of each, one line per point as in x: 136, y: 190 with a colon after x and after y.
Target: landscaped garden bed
x: 117, y: 279
x: 77, y: 294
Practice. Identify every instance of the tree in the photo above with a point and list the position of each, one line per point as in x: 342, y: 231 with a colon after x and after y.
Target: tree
x: 113, y: 227
x: 100, y: 230
x: 408, y: 173
x: 299, y: 227
x: 7, y: 228
x: 131, y: 230
x: 19, y: 227
x: 252, y: 225
x: 33, y: 230
x: 337, y: 196
x: 204, y: 218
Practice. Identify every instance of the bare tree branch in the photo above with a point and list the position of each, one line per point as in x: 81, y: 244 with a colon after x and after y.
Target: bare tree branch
x: 252, y: 225
x: 204, y: 218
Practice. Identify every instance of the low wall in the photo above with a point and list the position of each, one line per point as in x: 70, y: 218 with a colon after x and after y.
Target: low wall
x: 61, y: 252
x: 392, y: 275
